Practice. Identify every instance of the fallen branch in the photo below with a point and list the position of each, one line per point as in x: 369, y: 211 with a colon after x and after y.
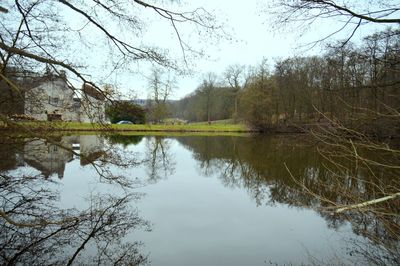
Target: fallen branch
x: 367, y: 203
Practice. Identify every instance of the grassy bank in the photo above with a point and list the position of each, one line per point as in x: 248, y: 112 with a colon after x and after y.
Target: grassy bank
x: 75, y: 126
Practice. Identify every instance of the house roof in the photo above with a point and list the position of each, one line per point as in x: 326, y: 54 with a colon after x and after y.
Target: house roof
x: 92, y: 92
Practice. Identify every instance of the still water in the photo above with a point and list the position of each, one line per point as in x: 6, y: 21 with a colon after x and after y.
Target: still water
x: 185, y: 200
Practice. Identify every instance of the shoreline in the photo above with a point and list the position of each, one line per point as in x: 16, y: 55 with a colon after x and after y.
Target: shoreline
x: 74, y: 126
x: 37, y: 128
x: 54, y: 127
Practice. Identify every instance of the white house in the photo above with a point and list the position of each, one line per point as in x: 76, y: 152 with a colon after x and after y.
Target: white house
x: 54, y: 99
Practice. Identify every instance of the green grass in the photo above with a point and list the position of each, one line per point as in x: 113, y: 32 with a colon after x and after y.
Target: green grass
x: 187, y: 127
x: 218, y: 122
x: 76, y: 126
x: 175, y: 133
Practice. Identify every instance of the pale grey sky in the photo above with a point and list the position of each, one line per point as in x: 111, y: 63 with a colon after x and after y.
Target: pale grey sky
x: 252, y: 39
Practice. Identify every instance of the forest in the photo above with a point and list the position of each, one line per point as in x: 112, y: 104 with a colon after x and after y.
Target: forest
x: 351, y: 84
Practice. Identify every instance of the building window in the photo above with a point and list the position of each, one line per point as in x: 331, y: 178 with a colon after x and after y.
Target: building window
x: 77, y: 105
x: 52, y: 148
x: 53, y: 100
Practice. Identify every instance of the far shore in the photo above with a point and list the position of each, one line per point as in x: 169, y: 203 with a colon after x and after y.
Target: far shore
x: 202, y: 127
x: 89, y: 127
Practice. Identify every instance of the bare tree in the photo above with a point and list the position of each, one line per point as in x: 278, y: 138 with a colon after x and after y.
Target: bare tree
x: 81, y: 38
x: 161, y: 86
x: 237, y: 79
x: 70, y: 35
x: 207, y: 90
x: 347, y: 15
x: 364, y: 143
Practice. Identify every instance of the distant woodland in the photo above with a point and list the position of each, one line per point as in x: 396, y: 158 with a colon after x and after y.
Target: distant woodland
x: 354, y: 84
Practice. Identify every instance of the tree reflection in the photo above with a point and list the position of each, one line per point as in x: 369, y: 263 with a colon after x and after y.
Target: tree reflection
x: 34, y: 226
x: 250, y: 163
x: 125, y: 140
x: 257, y: 164
x: 158, y: 158
x: 9, y: 152
x: 36, y: 230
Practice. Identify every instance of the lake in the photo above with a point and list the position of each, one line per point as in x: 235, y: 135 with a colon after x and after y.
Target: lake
x: 182, y: 200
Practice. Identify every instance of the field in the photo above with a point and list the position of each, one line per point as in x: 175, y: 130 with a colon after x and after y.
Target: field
x: 76, y: 126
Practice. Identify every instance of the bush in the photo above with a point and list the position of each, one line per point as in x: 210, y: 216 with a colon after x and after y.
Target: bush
x: 124, y: 110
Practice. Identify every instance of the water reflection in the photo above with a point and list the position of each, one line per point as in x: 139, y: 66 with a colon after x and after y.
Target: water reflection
x: 290, y: 171
x: 36, y: 229
x: 51, y: 157
x: 125, y: 140
x: 34, y: 225
x: 257, y: 164
x: 159, y: 159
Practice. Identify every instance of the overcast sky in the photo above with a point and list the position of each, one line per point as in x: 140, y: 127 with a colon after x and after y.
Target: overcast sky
x: 253, y: 39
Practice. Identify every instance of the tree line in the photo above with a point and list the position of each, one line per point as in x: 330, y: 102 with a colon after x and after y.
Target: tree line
x: 354, y: 84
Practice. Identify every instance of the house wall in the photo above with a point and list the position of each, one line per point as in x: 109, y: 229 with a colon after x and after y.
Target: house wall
x: 93, y: 110
x: 54, y: 96
x: 50, y: 97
